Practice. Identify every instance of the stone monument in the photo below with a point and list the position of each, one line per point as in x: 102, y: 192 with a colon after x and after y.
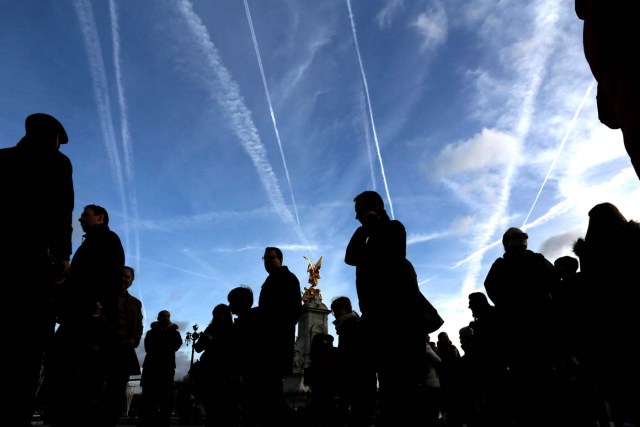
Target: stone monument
x: 314, y: 320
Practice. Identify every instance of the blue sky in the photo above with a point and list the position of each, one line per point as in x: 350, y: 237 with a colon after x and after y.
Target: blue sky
x: 210, y: 130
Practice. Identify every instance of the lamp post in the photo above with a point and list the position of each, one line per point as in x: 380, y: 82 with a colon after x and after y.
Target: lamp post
x: 192, y: 338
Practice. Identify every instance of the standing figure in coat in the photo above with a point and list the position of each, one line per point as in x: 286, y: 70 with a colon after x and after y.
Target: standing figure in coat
x: 161, y: 343
x: 356, y: 375
x: 95, y: 279
x: 36, y: 189
x: 520, y: 284
x: 217, y: 388
x: 122, y: 361
x: 386, y: 279
x: 609, y: 255
x: 279, y: 308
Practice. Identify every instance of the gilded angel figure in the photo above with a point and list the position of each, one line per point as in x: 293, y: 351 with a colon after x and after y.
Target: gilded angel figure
x: 314, y: 271
x: 312, y: 292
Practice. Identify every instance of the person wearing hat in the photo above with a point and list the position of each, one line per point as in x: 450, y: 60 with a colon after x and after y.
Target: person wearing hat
x: 36, y: 189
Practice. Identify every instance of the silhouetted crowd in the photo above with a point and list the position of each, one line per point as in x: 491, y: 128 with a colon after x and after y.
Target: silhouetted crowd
x: 550, y: 344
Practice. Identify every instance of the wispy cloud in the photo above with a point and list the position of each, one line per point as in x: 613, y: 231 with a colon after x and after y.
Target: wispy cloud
x: 93, y: 48
x: 526, y: 58
x: 273, y: 116
x: 227, y: 94
x: 432, y: 27
x: 386, y: 14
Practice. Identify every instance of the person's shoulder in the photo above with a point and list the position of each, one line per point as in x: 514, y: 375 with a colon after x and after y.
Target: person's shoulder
x: 633, y: 226
x: 498, y: 262
x: 538, y: 256
x: 64, y: 161
x: 8, y: 150
x: 284, y: 270
x: 7, y: 155
x: 396, y: 224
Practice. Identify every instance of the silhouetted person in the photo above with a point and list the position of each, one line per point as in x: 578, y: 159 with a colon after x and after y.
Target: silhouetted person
x: 609, y: 255
x: 570, y: 299
x: 279, y: 306
x: 385, y: 279
x: 356, y: 374
x: 448, y: 373
x: 489, y: 348
x: 218, y: 390
x: 431, y: 390
x: 321, y: 377
x: 161, y: 343
x: 248, y: 343
x: 122, y: 360
x: 95, y: 276
x: 520, y: 284
x: 572, y: 302
x: 611, y: 37
x: 36, y: 189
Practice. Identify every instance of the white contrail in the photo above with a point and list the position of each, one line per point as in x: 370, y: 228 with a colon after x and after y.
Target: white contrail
x: 273, y: 116
x: 366, y: 91
x: 101, y: 92
x: 533, y: 64
x: 227, y: 93
x: 367, y: 137
x: 124, y: 126
x: 570, y: 128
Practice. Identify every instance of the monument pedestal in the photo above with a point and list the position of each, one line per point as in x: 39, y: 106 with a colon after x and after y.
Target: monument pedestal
x: 314, y: 320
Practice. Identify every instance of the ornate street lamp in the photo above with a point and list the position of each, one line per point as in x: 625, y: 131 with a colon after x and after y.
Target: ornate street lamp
x: 192, y: 338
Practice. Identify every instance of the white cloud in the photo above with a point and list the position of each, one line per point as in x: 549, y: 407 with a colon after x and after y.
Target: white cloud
x: 386, y: 14
x: 485, y: 150
x: 432, y: 27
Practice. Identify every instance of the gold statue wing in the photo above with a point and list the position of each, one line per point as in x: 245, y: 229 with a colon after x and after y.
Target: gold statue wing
x: 318, y: 264
x: 311, y: 266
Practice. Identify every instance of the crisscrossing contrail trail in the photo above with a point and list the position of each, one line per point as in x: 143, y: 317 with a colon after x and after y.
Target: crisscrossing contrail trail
x: 560, y: 148
x: 366, y: 91
x: 273, y: 117
x: 124, y: 125
x: 93, y: 49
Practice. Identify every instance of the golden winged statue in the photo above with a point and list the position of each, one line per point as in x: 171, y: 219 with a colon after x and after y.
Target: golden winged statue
x: 314, y: 274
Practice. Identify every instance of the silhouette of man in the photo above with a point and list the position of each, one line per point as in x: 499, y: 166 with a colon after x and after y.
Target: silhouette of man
x: 611, y: 37
x: 520, y: 284
x: 279, y: 307
x: 385, y: 279
x: 161, y: 343
x: 122, y: 359
x: 95, y: 277
x: 609, y: 254
x: 36, y: 189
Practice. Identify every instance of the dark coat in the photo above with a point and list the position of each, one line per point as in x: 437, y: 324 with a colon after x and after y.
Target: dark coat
x: 521, y: 285
x: 36, y: 189
x: 129, y: 334
x: 378, y: 251
x: 159, y: 364
x: 96, y: 272
x: 609, y: 272
x: 279, y: 307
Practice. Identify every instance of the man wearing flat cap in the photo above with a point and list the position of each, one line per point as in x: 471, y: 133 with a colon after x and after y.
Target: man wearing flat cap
x: 36, y: 190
